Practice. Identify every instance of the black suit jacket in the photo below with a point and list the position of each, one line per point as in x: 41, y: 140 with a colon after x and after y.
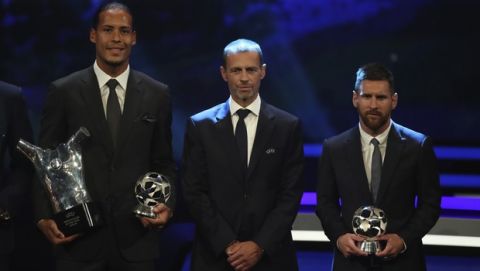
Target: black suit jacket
x: 409, y: 172
x: 144, y: 144
x: 15, y: 170
x: 227, y: 207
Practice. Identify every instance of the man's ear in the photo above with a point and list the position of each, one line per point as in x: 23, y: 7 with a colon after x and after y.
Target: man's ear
x: 134, y: 38
x: 223, y: 72
x: 394, y: 100
x: 93, y: 35
x: 264, y: 70
x: 354, y: 98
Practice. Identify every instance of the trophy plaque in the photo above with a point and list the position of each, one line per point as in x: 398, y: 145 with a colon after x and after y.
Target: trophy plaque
x: 60, y: 171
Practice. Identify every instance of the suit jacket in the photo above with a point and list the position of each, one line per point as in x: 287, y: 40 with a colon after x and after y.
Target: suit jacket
x: 226, y: 206
x: 143, y: 145
x: 409, y: 192
x: 15, y: 170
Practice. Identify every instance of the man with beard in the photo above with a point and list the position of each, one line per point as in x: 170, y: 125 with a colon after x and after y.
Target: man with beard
x: 242, y: 181
x: 128, y: 115
x: 383, y: 164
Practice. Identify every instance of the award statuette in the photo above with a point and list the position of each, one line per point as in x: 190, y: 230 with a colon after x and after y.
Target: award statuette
x: 151, y: 189
x: 61, y: 172
x: 369, y: 222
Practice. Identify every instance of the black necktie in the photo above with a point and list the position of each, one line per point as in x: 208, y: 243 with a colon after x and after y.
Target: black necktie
x: 376, y: 169
x: 241, y: 135
x: 114, y: 114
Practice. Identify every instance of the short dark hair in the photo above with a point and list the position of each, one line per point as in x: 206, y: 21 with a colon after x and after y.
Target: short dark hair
x: 107, y: 6
x: 375, y: 72
x: 241, y: 46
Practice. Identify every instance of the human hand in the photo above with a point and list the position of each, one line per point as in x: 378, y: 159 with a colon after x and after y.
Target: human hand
x: 163, y: 214
x: 394, y: 245
x: 347, y: 244
x: 50, y: 229
x: 242, y: 256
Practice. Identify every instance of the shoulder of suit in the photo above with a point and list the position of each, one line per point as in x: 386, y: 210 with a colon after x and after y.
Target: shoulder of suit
x: 343, y: 137
x: 208, y: 114
x: 73, y: 77
x: 408, y: 134
x: 8, y: 90
x: 279, y: 114
x: 146, y: 79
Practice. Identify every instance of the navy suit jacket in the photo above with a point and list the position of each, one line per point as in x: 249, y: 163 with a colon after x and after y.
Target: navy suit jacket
x: 15, y: 170
x: 226, y: 206
x: 409, y: 192
x: 143, y: 145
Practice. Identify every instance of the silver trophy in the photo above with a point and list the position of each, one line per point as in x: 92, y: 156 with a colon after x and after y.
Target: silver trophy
x: 150, y: 190
x: 61, y: 172
x: 369, y: 222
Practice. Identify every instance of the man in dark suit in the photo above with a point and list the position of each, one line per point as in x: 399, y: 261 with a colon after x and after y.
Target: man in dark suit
x: 404, y: 181
x: 243, y: 173
x: 129, y: 122
x: 15, y: 170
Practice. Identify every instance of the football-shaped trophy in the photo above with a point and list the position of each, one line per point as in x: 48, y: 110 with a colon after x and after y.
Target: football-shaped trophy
x: 369, y: 222
x: 61, y: 172
x: 150, y: 190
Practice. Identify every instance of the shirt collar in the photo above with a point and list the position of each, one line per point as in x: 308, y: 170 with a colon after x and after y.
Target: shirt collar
x: 254, y: 107
x: 103, y: 77
x: 382, y: 138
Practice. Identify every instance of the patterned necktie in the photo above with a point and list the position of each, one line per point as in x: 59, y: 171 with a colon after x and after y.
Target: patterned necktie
x: 376, y: 169
x: 241, y: 135
x: 114, y: 114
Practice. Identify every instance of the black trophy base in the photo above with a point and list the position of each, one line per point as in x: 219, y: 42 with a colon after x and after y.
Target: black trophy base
x: 78, y: 219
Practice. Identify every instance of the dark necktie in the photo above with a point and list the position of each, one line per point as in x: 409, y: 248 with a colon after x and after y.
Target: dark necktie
x: 241, y: 136
x: 114, y: 114
x: 376, y: 169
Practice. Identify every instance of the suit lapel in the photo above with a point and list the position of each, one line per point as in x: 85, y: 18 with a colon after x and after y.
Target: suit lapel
x: 395, y: 144
x: 354, y: 156
x: 265, y: 127
x: 227, y: 139
x: 90, y: 92
x: 133, y: 101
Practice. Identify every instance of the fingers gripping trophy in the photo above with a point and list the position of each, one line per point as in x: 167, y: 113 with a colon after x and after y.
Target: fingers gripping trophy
x: 150, y: 190
x: 369, y: 222
x: 61, y: 172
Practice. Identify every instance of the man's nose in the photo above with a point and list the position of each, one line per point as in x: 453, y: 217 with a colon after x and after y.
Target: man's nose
x: 244, y: 76
x: 116, y: 35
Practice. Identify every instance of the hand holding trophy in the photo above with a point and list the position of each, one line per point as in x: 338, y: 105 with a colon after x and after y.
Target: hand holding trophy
x: 61, y: 172
x: 369, y: 222
x: 150, y: 190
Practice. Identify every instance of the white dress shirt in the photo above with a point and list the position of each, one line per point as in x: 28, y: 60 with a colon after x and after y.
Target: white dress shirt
x: 367, y: 148
x: 121, y: 88
x: 251, y: 120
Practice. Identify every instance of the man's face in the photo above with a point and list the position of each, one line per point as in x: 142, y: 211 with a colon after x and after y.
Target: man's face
x: 374, y: 102
x: 243, y: 73
x: 113, y: 38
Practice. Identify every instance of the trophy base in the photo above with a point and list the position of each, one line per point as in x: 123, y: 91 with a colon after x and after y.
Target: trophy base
x: 146, y: 211
x: 370, y: 246
x: 81, y: 218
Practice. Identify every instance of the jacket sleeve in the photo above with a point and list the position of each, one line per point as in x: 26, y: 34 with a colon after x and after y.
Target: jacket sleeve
x: 278, y: 222
x: 162, y: 151
x: 428, y: 195
x: 212, y: 226
x: 328, y: 207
